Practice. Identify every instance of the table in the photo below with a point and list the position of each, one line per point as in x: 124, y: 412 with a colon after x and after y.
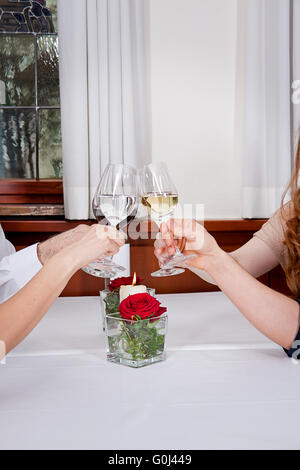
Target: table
x: 223, y: 386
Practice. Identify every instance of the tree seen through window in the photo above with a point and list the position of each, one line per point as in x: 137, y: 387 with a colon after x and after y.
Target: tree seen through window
x: 30, y: 127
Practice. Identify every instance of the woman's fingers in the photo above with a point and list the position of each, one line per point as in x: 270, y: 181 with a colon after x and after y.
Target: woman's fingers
x: 168, y: 239
x: 191, y: 234
x: 181, y: 244
x: 174, y: 235
x: 183, y: 234
x: 183, y: 228
x: 159, y: 243
x: 197, y: 237
x: 160, y: 251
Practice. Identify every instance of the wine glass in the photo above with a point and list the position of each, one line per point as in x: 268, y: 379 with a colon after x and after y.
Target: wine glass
x: 160, y: 197
x: 115, y: 200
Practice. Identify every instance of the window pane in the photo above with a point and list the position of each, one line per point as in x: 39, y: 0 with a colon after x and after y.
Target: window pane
x: 52, y: 6
x: 48, y: 72
x: 17, y: 70
x: 50, y: 155
x: 26, y: 16
x: 17, y: 149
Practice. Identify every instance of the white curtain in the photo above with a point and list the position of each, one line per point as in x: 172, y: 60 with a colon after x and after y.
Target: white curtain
x: 268, y: 133
x: 103, y: 93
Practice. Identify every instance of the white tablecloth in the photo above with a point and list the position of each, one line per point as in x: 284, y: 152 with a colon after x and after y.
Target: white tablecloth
x: 223, y: 386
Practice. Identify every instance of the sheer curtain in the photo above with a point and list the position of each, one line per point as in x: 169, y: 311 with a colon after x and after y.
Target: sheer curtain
x: 103, y: 93
x: 268, y: 129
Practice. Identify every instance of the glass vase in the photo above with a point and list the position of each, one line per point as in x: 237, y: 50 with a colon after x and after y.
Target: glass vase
x: 136, y: 343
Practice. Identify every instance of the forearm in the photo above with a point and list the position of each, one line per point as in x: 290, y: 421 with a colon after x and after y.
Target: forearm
x: 255, y: 257
x: 21, y: 313
x: 272, y: 313
x: 46, y: 250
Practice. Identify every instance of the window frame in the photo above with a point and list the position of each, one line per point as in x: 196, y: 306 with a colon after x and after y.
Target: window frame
x: 31, y: 191
x: 18, y: 191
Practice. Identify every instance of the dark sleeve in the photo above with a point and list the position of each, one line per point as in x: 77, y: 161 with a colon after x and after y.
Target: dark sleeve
x: 294, y: 352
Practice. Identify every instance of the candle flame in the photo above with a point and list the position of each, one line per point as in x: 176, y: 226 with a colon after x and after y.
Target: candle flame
x: 134, y: 280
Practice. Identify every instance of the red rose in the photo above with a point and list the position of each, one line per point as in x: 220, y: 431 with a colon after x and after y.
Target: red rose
x: 140, y: 306
x: 123, y: 281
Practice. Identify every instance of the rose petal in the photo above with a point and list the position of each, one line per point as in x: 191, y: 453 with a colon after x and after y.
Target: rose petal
x: 142, y: 305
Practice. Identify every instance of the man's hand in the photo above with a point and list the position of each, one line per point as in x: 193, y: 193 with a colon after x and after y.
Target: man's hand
x: 54, y: 245
x: 99, y: 241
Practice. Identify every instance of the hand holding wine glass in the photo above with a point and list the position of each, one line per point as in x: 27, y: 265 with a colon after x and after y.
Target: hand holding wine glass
x: 115, y: 200
x: 98, y: 241
x: 160, y: 197
x: 192, y: 238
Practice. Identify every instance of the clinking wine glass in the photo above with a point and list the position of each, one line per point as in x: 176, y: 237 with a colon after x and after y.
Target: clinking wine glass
x: 116, y: 201
x: 160, y: 197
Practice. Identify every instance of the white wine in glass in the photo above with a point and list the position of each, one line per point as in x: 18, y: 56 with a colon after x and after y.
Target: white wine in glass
x: 161, y: 206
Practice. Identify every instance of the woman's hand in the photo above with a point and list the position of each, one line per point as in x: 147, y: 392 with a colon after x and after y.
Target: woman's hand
x: 98, y: 242
x: 190, y: 237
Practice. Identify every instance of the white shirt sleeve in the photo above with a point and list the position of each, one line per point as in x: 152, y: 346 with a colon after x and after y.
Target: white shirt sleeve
x: 16, y: 268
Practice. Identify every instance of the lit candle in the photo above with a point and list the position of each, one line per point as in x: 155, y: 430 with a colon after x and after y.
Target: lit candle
x: 126, y: 291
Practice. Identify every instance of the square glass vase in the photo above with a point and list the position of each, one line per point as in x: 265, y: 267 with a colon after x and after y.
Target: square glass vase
x: 110, y: 302
x: 136, y: 343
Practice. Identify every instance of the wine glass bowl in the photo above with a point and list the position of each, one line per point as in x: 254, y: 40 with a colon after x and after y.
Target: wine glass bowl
x: 160, y: 205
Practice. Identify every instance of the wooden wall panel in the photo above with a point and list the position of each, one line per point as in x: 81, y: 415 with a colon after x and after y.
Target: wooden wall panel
x: 14, y: 191
x: 82, y: 285
x: 144, y: 262
x: 278, y: 281
x: 229, y: 234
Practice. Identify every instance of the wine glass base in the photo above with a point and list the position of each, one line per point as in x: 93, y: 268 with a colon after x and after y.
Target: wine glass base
x: 107, y: 270
x: 168, y: 272
x: 178, y: 260
x: 110, y: 265
x: 98, y: 273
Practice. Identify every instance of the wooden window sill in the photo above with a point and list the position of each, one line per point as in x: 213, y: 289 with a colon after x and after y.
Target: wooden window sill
x: 31, y: 192
x: 32, y: 210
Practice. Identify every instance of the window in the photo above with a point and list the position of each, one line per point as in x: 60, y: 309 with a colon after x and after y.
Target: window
x: 30, y: 127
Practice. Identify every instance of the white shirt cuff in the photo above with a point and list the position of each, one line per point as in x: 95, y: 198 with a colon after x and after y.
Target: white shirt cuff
x: 24, y: 265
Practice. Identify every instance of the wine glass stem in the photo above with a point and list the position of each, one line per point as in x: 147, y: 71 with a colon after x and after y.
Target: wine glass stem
x: 177, y: 251
x: 113, y: 224
x: 158, y: 222
x: 110, y: 258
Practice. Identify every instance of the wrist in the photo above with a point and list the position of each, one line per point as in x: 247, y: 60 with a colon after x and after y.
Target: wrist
x: 211, y: 262
x: 40, y: 253
x: 45, y: 251
x: 67, y: 260
x: 218, y: 263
